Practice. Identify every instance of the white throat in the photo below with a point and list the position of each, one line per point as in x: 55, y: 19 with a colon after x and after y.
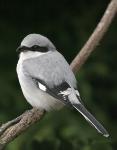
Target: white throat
x: 24, y: 56
x: 30, y: 54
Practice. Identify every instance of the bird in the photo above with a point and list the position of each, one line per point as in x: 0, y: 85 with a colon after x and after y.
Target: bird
x: 46, y: 79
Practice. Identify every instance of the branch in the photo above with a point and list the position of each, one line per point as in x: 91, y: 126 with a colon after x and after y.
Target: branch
x: 96, y: 36
x: 10, y: 130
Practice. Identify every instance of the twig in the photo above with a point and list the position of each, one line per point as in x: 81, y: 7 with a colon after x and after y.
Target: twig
x: 9, y: 123
x: 96, y: 36
x: 25, y: 120
x: 12, y: 129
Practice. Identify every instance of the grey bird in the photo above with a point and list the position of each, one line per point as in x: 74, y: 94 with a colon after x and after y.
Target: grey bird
x: 46, y: 79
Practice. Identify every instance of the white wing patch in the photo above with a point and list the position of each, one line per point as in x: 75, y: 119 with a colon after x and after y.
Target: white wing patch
x: 66, y: 92
x: 42, y: 87
x: 69, y: 92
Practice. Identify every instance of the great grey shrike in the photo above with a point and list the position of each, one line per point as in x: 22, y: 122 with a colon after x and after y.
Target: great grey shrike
x: 47, y: 80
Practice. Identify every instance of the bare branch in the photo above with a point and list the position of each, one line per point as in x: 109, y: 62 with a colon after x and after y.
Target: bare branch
x: 10, y: 130
x: 9, y: 123
x: 96, y: 36
x: 16, y: 128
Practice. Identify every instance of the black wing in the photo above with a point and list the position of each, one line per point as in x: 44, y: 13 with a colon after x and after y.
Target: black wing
x: 60, y: 93
x: 56, y: 92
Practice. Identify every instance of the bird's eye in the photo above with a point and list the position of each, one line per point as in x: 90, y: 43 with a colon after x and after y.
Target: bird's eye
x: 35, y: 47
x: 39, y: 49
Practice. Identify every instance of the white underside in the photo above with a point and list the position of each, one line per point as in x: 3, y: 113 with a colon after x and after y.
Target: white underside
x: 36, y: 97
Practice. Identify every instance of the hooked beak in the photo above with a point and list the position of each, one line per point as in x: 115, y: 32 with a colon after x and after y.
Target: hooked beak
x: 21, y: 49
x: 18, y: 49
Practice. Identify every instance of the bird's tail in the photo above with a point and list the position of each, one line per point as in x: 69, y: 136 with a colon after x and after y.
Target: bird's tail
x: 89, y: 117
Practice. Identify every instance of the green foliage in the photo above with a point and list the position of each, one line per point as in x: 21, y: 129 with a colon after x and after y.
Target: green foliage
x: 68, y: 24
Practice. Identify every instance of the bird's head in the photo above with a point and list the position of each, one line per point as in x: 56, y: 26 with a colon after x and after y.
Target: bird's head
x: 36, y: 43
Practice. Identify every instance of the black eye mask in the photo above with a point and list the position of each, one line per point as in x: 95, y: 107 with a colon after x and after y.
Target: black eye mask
x: 39, y: 49
x: 33, y: 48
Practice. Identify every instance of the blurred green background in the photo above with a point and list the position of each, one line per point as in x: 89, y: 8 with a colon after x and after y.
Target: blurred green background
x: 68, y: 23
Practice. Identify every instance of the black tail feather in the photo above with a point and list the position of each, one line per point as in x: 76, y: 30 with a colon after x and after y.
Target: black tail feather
x: 89, y: 117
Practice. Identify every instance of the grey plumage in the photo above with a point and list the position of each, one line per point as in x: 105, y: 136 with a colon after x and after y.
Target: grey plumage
x: 37, y: 39
x: 54, y: 76
x: 46, y: 79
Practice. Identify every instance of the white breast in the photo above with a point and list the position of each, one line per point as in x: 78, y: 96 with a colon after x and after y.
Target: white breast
x: 37, y: 98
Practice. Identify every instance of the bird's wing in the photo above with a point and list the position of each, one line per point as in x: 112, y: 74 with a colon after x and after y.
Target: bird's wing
x: 51, y: 68
x: 53, y: 75
x: 70, y: 96
x: 60, y: 92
